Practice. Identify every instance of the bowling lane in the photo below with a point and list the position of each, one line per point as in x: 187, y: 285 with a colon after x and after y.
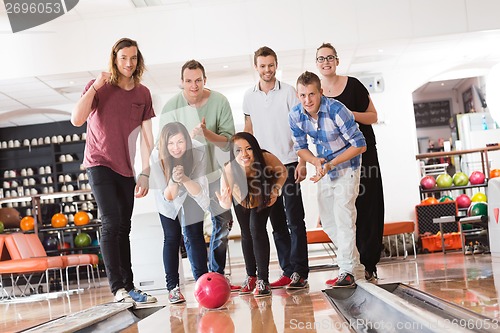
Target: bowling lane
x: 300, y: 311
x: 469, y: 281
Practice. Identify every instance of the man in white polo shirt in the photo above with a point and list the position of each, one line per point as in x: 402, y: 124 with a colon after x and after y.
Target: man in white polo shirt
x: 266, y: 107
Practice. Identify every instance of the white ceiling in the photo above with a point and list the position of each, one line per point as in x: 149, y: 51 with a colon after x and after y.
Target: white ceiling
x: 47, y: 98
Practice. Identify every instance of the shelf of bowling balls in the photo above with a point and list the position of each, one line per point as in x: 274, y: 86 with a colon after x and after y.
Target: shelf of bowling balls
x: 451, y: 188
x: 92, y: 225
x: 70, y: 230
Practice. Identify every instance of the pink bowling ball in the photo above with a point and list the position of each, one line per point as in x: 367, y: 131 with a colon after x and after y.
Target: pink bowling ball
x: 476, y: 178
x: 427, y: 182
x: 212, y: 290
x: 463, y: 201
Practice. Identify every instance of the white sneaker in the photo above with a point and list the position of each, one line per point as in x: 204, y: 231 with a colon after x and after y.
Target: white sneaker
x: 122, y: 295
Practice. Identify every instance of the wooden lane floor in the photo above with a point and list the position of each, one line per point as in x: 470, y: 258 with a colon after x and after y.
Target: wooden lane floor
x: 469, y: 281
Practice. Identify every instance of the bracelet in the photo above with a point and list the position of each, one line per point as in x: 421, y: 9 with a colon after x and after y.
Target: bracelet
x: 173, y: 181
x: 92, y: 85
x: 143, y: 174
x: 278, y: 190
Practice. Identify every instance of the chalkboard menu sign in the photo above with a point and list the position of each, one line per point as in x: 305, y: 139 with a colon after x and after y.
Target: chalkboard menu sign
x: 430, y: 114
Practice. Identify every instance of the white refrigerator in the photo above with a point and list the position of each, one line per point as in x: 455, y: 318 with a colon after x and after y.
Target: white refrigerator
x: 476, y: 130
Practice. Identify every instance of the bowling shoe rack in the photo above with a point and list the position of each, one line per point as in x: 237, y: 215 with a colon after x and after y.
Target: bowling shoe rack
x: 41, y: 174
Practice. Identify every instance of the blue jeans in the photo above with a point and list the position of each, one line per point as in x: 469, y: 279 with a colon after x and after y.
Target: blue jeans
x: 114, y: 195
x: 221, y: 220
x: 193, y: 240
x: 289, y: 228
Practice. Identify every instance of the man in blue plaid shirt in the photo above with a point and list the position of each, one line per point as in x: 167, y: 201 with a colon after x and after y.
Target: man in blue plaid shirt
x: 339, y: 145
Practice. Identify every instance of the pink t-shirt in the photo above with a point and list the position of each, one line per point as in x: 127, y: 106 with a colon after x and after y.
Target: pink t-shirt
x: 113, y: 126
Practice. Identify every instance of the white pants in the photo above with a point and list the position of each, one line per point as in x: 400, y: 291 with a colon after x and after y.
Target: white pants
x: 337, y: 210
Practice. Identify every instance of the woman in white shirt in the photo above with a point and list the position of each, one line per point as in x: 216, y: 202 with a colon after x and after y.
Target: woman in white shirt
x: 182, y: 201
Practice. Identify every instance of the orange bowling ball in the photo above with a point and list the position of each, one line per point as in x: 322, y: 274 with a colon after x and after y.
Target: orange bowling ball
x: 59, y: 220
x: 82, y: 218
x: 494, y: 173
x: 27, y: 223
x: 430, y: 201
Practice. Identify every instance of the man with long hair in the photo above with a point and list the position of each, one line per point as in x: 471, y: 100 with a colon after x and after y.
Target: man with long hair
x: 117, y: 108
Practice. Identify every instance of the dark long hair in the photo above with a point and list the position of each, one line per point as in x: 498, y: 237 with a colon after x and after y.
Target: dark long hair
x: 167, y: 161
x: 259, y: 186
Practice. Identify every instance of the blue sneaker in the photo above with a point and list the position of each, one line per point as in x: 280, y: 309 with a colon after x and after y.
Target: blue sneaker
x: 141, y: 297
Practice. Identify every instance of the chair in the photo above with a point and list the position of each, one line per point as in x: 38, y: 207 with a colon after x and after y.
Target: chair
x: 24, y: 268
x: 319, y: 236
x: 400, y: 228
x: 19, y: 247
x: 69, y: 260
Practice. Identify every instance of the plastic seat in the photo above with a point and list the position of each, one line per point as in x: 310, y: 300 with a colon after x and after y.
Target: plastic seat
x: 68, y: 260
x: 400, y: 228
x: 21, y: 268
x: 319, y: 236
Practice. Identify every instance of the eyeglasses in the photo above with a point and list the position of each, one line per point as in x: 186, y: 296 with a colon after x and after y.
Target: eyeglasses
x: 329, y: 58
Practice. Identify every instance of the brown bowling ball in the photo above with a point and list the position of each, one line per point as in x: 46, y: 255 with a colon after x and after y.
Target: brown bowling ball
x: 10, y: 217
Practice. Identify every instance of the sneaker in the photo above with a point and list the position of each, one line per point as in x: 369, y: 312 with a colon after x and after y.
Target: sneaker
x: 468, y: 250
x: 175, y: 296
x: 233, y: 287
x: 345, y: 280
x: 249, y: 285
x: 297, y: 282
x: 479, y: 248
x: 330, y: 283
x: 283, y: 281
x: 121, y: 295
x: 141, y: 297
x: 262, y: 289
x: 371, y: 276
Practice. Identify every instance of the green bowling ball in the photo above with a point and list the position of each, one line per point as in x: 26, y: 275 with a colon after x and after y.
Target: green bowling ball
x: 478, y: 209
x: 445, y: 198
x: 82, y: 240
